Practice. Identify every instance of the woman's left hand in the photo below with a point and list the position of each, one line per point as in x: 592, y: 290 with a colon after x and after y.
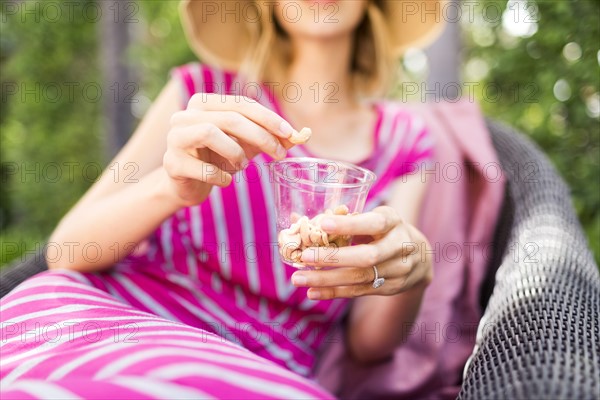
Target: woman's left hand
x: 400, y: 252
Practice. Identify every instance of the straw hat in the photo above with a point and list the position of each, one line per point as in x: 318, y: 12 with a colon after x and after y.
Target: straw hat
x: 218, y: 32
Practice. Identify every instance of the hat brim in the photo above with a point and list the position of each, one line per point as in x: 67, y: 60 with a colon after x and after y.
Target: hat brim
x: 410, y: 24
x: 413, y: 23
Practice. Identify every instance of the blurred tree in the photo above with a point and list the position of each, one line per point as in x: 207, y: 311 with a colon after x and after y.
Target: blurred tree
x: 50, y: 119
x: 54, y: 139
x: 538, y: 68
x: 116, y: 73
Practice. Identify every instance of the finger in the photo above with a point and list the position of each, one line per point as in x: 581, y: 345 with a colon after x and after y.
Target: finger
x: 397, y: 269
x: 411, y: 277
x: 377, y: 222
x: 239, y: 126
x: 250, y: 108
x: 338, y: 292
x: 362, y: 255
x: 333, y: 277
x: 327, y: 293
x: 391, y: 270
x: 207, y: 135
x: 247, y: 131
x: 181, y: 165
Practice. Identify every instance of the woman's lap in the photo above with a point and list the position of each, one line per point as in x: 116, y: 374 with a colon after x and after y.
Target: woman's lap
x: 62, y: 337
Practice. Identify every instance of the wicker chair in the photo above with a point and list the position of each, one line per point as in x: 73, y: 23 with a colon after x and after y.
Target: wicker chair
x: 539, y: 336
x: 540, y: 333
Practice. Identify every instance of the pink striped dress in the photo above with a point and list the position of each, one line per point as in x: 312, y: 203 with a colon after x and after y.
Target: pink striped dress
x: 207, y: 308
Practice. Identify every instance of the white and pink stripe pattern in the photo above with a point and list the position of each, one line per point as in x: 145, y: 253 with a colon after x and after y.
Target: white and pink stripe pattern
x: 210, y: 280
x: 76, y: 341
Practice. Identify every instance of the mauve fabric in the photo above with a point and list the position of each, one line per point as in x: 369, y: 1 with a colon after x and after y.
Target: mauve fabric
x: 458, y: 217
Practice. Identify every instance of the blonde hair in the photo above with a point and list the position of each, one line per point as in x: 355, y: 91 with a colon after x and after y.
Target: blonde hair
x: 269, y: 53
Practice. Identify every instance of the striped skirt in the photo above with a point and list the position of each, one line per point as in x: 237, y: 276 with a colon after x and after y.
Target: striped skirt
x: 62, y: 338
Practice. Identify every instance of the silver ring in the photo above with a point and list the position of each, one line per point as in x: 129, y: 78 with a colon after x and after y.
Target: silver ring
x: 377, y: 282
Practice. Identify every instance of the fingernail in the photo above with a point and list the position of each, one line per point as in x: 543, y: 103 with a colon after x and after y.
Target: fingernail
x: 314, y: 294
x: 286, y: 129
x: 299, y: 279
x: 328, y: 224
x: 309, y: 256
x: 281, y: 151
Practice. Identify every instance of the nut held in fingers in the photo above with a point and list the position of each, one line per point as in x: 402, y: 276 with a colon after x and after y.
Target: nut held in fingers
x: 301, y: 137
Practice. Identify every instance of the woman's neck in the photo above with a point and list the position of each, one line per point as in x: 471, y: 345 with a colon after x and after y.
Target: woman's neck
x: 342, y: 127
x: 326, y: 83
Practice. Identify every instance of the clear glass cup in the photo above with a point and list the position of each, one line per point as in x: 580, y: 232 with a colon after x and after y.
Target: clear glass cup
x: 309, y: 187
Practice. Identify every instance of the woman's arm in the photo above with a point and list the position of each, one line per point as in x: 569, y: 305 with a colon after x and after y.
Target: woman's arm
x: 378, y: 324
x: 179, y: 157
x: 127, y: 202
x: 96, y: 236
x: 380, y: 316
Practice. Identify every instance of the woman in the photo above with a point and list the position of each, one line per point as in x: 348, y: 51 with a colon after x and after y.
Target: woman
x: 200, y: 214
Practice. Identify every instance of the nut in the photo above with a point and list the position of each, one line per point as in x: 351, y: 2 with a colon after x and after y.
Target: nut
x: 301, y: 137
x: 296, y: 255
x: 288, y: 243
x: 316, y: 237
x: 287, y: 239
x: 342, y: 241
x: 304, y: 233
x: 294, y: 228
x: 341, y: 210
x: 305, y: 229
x: 294, y: 217
x: 325, y: 238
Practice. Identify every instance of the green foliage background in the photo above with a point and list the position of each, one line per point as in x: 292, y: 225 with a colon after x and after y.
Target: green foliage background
x: 526, y: 70
x: 41, y: 124
x: 70, y: 128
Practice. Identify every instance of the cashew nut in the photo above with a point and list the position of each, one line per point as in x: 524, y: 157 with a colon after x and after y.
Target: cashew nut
x: 341, y: 210
x: 301, y: 137
x: 305, y: 232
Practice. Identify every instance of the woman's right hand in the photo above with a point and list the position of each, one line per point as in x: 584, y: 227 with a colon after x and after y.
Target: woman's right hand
x: 216, y: 136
